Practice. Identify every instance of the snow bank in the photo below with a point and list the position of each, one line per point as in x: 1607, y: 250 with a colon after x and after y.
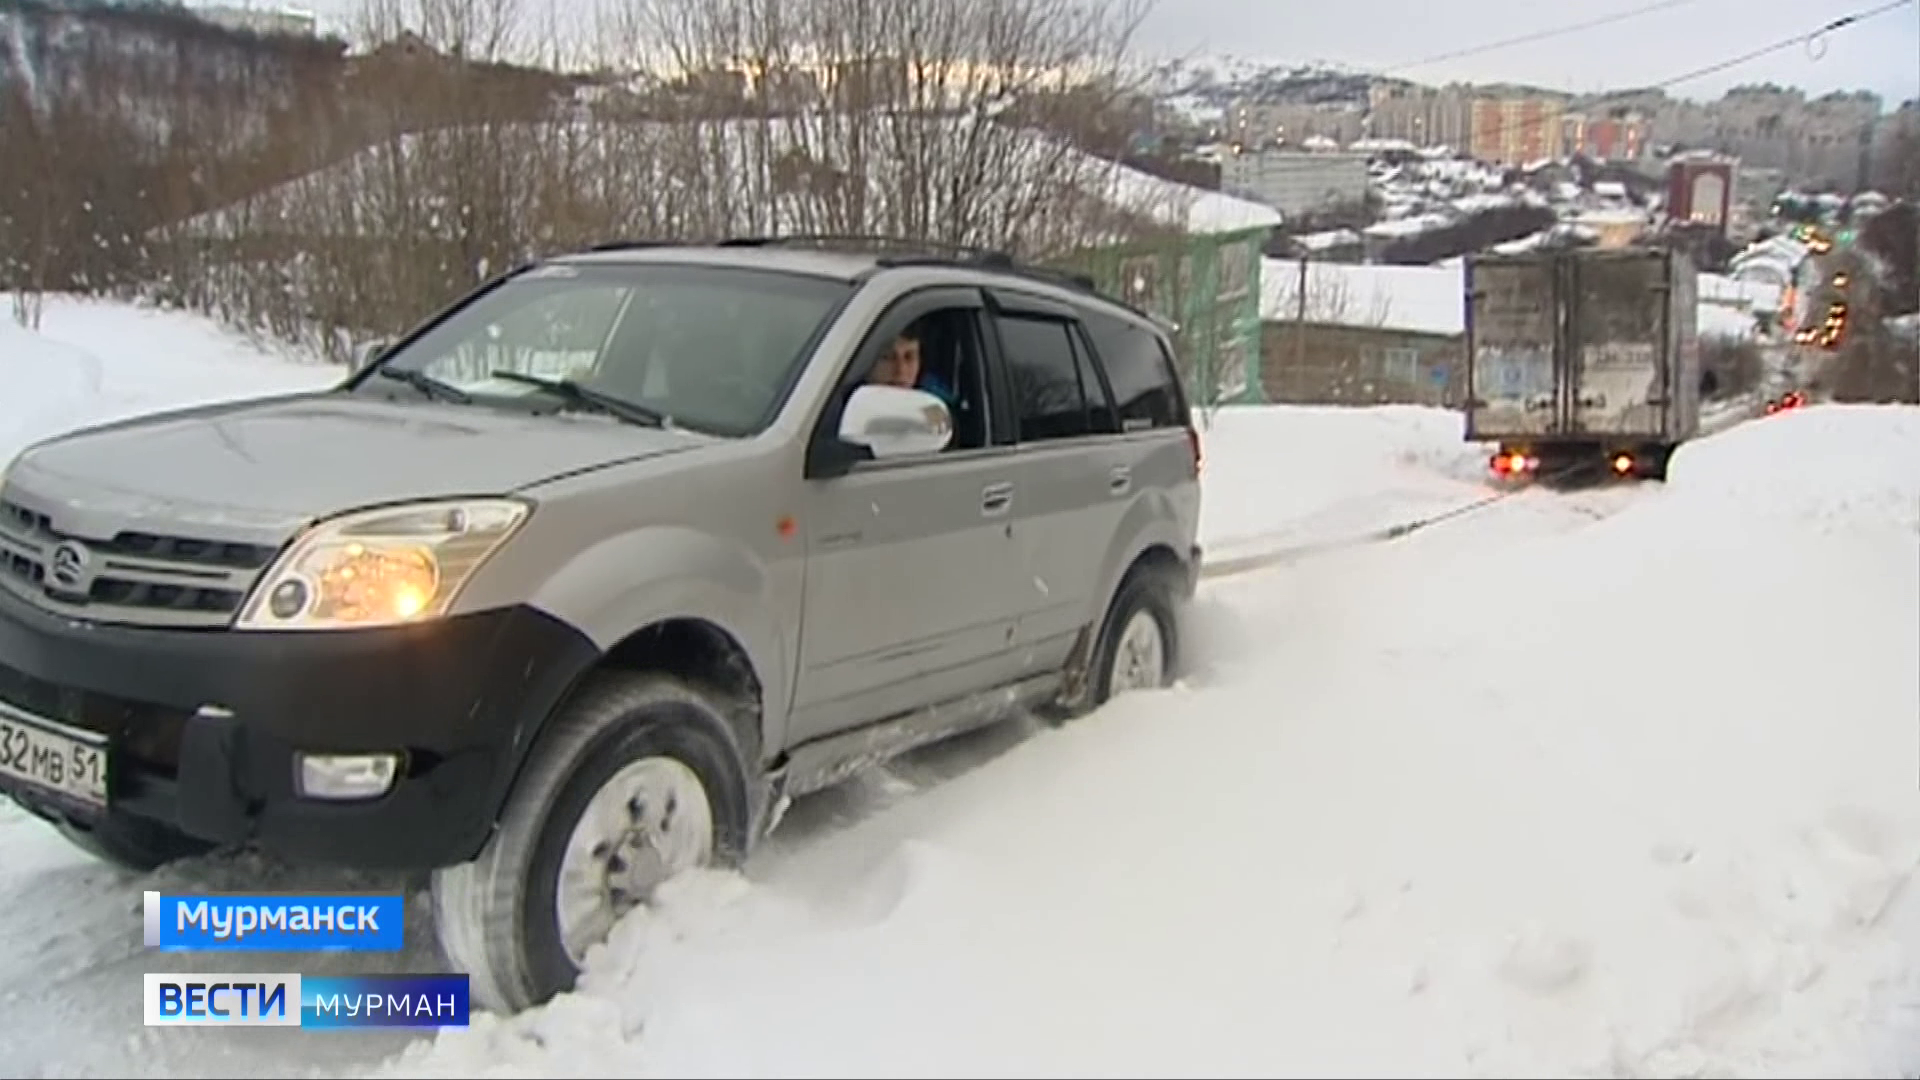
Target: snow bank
x: 1720, y: 321
x: 1286, y: 473
x: 92, y: 361
x: 1608, y: 784
x: 1830, y: 467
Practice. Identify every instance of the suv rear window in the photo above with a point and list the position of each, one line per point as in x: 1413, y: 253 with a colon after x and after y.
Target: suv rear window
x: 1145, y: 389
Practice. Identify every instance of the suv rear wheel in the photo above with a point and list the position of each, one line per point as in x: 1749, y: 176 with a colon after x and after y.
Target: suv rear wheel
x: 1137, y: 646
x: 632, y: 783
x: 1139, y: 643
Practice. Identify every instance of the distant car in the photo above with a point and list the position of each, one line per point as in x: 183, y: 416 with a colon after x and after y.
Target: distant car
x: 1792, y: 399
x: 555, y: 640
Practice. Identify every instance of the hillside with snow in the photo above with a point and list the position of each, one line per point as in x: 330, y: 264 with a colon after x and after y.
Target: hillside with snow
x: 1611, y: 782
x: 1217, y: 80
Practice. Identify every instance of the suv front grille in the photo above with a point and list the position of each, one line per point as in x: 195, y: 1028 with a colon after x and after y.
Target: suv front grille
x: 135, y: 577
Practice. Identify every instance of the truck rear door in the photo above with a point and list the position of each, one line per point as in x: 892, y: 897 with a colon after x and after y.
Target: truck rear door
x: 1620, y: 338
x: 1512, y: 317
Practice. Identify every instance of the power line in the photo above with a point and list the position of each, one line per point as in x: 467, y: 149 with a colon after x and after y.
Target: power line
x: 1542, y: 35
x: 1807, y: 38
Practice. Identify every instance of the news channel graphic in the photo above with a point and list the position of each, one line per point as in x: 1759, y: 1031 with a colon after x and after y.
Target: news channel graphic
x: 326, y: 1002
x: 284, y: 923
x: 275, y: 922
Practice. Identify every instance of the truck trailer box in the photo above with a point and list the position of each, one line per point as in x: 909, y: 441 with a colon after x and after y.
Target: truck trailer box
x: 1583, y: 353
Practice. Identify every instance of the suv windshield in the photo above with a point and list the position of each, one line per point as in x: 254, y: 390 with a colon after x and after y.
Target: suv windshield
x: 714, y: 349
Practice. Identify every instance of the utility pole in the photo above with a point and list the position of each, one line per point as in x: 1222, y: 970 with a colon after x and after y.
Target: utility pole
x: 1300, y: 319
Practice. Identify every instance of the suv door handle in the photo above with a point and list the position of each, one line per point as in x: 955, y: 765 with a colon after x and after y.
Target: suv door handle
x: 1119, y: 479
x: 995, y: 498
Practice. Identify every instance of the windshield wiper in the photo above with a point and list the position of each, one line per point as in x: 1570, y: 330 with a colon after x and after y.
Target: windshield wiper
x: 427, y: 384
x: 580, y: 395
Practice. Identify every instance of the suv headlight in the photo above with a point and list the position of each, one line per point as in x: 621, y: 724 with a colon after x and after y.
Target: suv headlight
x: 384, y: 567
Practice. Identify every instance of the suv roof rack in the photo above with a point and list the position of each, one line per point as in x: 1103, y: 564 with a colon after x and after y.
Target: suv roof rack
x: 915, y: 252
x: 628, y: 245
x: 864, y: 241
x: 999, y: 263
x: 934, y: 253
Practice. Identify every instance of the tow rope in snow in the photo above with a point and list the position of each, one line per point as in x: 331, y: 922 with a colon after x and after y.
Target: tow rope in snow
x: 1243, y: 564
x: 1297, y: 552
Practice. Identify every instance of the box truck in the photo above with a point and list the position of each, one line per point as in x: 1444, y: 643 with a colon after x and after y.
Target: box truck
x: 1582, y: 359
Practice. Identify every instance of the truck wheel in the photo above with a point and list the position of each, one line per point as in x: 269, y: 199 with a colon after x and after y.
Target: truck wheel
x: 1137, y: 647
x: 1654, y: 463
x: 133, y: 843
x: 634, y: 781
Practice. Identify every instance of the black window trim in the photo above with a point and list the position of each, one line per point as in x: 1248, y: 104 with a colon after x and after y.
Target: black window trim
x: 1083, y: 340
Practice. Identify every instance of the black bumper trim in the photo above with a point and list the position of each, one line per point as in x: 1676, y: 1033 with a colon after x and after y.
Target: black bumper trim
x: 458, y: 699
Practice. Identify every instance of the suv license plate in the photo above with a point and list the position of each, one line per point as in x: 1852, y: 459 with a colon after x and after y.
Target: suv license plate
x: 39, y: 757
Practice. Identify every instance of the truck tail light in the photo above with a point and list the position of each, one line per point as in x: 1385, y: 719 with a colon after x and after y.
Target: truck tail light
x: 1514, y: 464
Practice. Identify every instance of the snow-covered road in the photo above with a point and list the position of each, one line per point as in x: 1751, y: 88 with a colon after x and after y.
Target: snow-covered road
x: 1624, y: 782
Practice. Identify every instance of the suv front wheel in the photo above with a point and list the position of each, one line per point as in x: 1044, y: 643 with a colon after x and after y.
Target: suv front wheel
x: 633, y: 782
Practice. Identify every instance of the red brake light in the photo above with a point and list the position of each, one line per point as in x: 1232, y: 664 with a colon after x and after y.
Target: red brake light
x: 1193, y: 443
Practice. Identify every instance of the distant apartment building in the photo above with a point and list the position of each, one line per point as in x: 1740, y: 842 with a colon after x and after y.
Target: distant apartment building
x: 1296, y: 183
x: 1892, y: 170
x: 260, y: 20
x: 1824, y: 139
x: 1757, y: 187
x: 1605, y: 138
x: 1422, y: 115
x: 1256, y: 125
x: 1517, y: 130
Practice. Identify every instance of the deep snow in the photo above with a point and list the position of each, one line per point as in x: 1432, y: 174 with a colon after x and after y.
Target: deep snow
x: 1620, y: 782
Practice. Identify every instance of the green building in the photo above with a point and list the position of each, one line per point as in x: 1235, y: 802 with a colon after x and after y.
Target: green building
x: 1205, y: 283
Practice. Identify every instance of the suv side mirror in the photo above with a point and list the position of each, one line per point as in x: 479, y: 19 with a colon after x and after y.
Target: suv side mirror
x: 893, y: 421
x: 366, y: 352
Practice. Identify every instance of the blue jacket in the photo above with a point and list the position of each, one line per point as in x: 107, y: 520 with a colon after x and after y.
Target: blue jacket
x: 935, y: 385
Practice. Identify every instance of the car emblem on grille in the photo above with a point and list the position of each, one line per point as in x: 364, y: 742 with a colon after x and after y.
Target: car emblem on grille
x: 71, y: 570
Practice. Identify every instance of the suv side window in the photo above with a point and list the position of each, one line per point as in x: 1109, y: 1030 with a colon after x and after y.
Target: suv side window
x: 952, y: 367
x: 1049, y: 379
x: 1145, y: 389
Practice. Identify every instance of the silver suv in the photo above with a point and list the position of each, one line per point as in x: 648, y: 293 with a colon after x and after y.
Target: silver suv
x: 574, y: 586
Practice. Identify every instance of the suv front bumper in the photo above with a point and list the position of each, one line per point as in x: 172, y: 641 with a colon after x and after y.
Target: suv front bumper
x: 204, y: 729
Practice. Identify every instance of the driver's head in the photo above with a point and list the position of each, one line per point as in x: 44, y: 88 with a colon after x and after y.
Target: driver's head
x: 900, y: 365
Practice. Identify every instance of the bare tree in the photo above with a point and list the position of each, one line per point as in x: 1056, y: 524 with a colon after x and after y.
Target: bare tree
x: 926, y: 120
x: 895, y: 117
x: 1328, y: 297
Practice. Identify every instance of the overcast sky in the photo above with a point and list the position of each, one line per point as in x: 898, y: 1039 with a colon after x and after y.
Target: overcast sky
x: 1881, y: 54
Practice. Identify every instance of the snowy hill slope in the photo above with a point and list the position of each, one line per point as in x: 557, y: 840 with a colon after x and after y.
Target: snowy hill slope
x: 1607, y: 783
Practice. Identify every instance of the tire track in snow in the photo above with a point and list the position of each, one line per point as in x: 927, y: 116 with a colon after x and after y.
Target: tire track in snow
x: 1283, y: 554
